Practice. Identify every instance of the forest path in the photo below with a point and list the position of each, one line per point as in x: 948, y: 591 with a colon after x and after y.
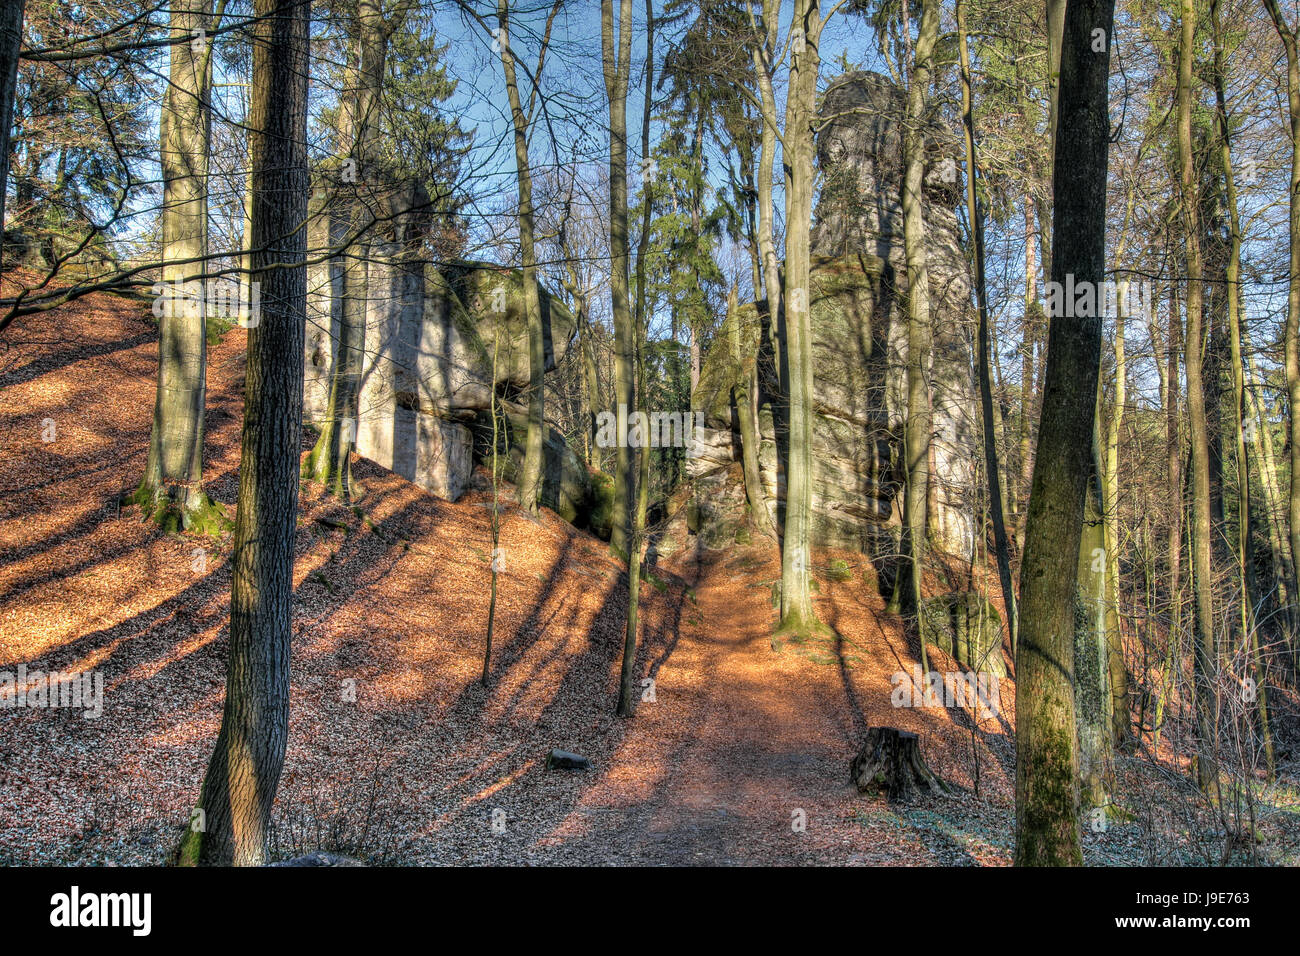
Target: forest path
x: 743, y: 756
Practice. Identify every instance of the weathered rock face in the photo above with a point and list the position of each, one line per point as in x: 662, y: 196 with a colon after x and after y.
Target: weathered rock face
x: 857, y: 300
x: 433, y: 339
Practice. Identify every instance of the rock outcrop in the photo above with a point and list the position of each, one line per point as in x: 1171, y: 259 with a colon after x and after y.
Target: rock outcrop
x: 438, y: 341
x: 857, y: 300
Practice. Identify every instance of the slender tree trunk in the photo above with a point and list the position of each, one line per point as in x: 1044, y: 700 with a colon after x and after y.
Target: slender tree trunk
x: 975, y: 215
x: 1047, y: 796
x: 627, y: 677
x: 1204, y: 654
x: 1266, y: 455
x: 330, y: 462
x: 744, y: 393
x: 244, y: 772
x: 797, y: 614
x: 919, y: 424
x: 1245, y: 550
x: 171, y: 490
x: 1292, y: 333
x: 1120, y: 731
x: 616, y: 57
x: 530, y: 477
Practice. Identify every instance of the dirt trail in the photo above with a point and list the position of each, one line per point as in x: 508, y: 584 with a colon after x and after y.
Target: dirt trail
x: 740, y: 758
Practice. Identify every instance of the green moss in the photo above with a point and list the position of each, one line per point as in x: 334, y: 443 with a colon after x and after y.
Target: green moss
x: 601, y: 519
x: 206, y: 517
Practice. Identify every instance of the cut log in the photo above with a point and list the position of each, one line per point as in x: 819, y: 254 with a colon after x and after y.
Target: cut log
x: 890, y: 760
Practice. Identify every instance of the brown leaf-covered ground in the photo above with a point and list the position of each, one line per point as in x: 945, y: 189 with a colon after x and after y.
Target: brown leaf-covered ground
x: 396, y: 753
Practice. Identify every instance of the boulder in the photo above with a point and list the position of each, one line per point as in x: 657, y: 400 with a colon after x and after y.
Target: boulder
x: 439, y: 339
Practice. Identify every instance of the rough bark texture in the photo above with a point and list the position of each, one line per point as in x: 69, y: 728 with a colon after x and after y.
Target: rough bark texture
x: 1046, y: 758
x: 11, y: 37
x: 530, y: 477
x: 242, y: 777
x: 890, y: 760
x: 797, y: 615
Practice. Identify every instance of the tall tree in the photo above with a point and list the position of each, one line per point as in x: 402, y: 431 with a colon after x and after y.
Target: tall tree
x: 530, y: 476
x: 1201, y: 521
x: 244, y: 772
x: 616, y: 61
x: 640, y: 318
x: 330, y: 459
x: 1232, y: 275
x: 1292, y: 334
x: 11, y: 37
x: 171, y: 489
x: 797, y: 614
x: 1046, y: 755
x: 920, y: 335
x: 975, y: 214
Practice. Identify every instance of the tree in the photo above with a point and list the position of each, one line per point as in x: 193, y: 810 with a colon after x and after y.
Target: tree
x: 530, y: 477
x: 330, y: 459
x: 797, y: 614
x: 1204, y: 653
x: 1291, y: 45
x: 616, y: 59
x: 975, y: 214
x: 1046, y: 754
x: 244, y: 772
x: 920, y: 338
x: 11, y: 37
x: 172, y: 487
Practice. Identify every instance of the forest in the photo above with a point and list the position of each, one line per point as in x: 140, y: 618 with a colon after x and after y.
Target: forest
x: 649, y: 433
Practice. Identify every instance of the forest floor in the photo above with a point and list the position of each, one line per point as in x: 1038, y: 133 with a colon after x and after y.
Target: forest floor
x: 397, y: 754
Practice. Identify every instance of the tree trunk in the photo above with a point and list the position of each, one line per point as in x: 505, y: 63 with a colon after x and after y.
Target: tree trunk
x: 744, y: 393
x: 627, y: 676
x: 330, y: 461
x: 1292, y: 334
x: 1046, y: 757
x: 906, y: 598
x: 1245, y: 551
x: 797, y: 614
x: 171, y: 490
x: 530, y: 476
x: 1204, y: 655
x: 975, y: 215
x: 11, y: 41
x: 616, y: 57
x: 244, y: 771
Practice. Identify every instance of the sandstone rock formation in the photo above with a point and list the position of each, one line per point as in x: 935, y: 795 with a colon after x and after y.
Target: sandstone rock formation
x: 859, y: 281
x: 427, y: 374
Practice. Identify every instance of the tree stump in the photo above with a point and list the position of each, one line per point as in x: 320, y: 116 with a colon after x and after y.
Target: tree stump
x: 890, y: 760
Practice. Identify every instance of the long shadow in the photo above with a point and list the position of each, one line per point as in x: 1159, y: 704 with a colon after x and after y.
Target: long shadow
x: 45, y: 364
